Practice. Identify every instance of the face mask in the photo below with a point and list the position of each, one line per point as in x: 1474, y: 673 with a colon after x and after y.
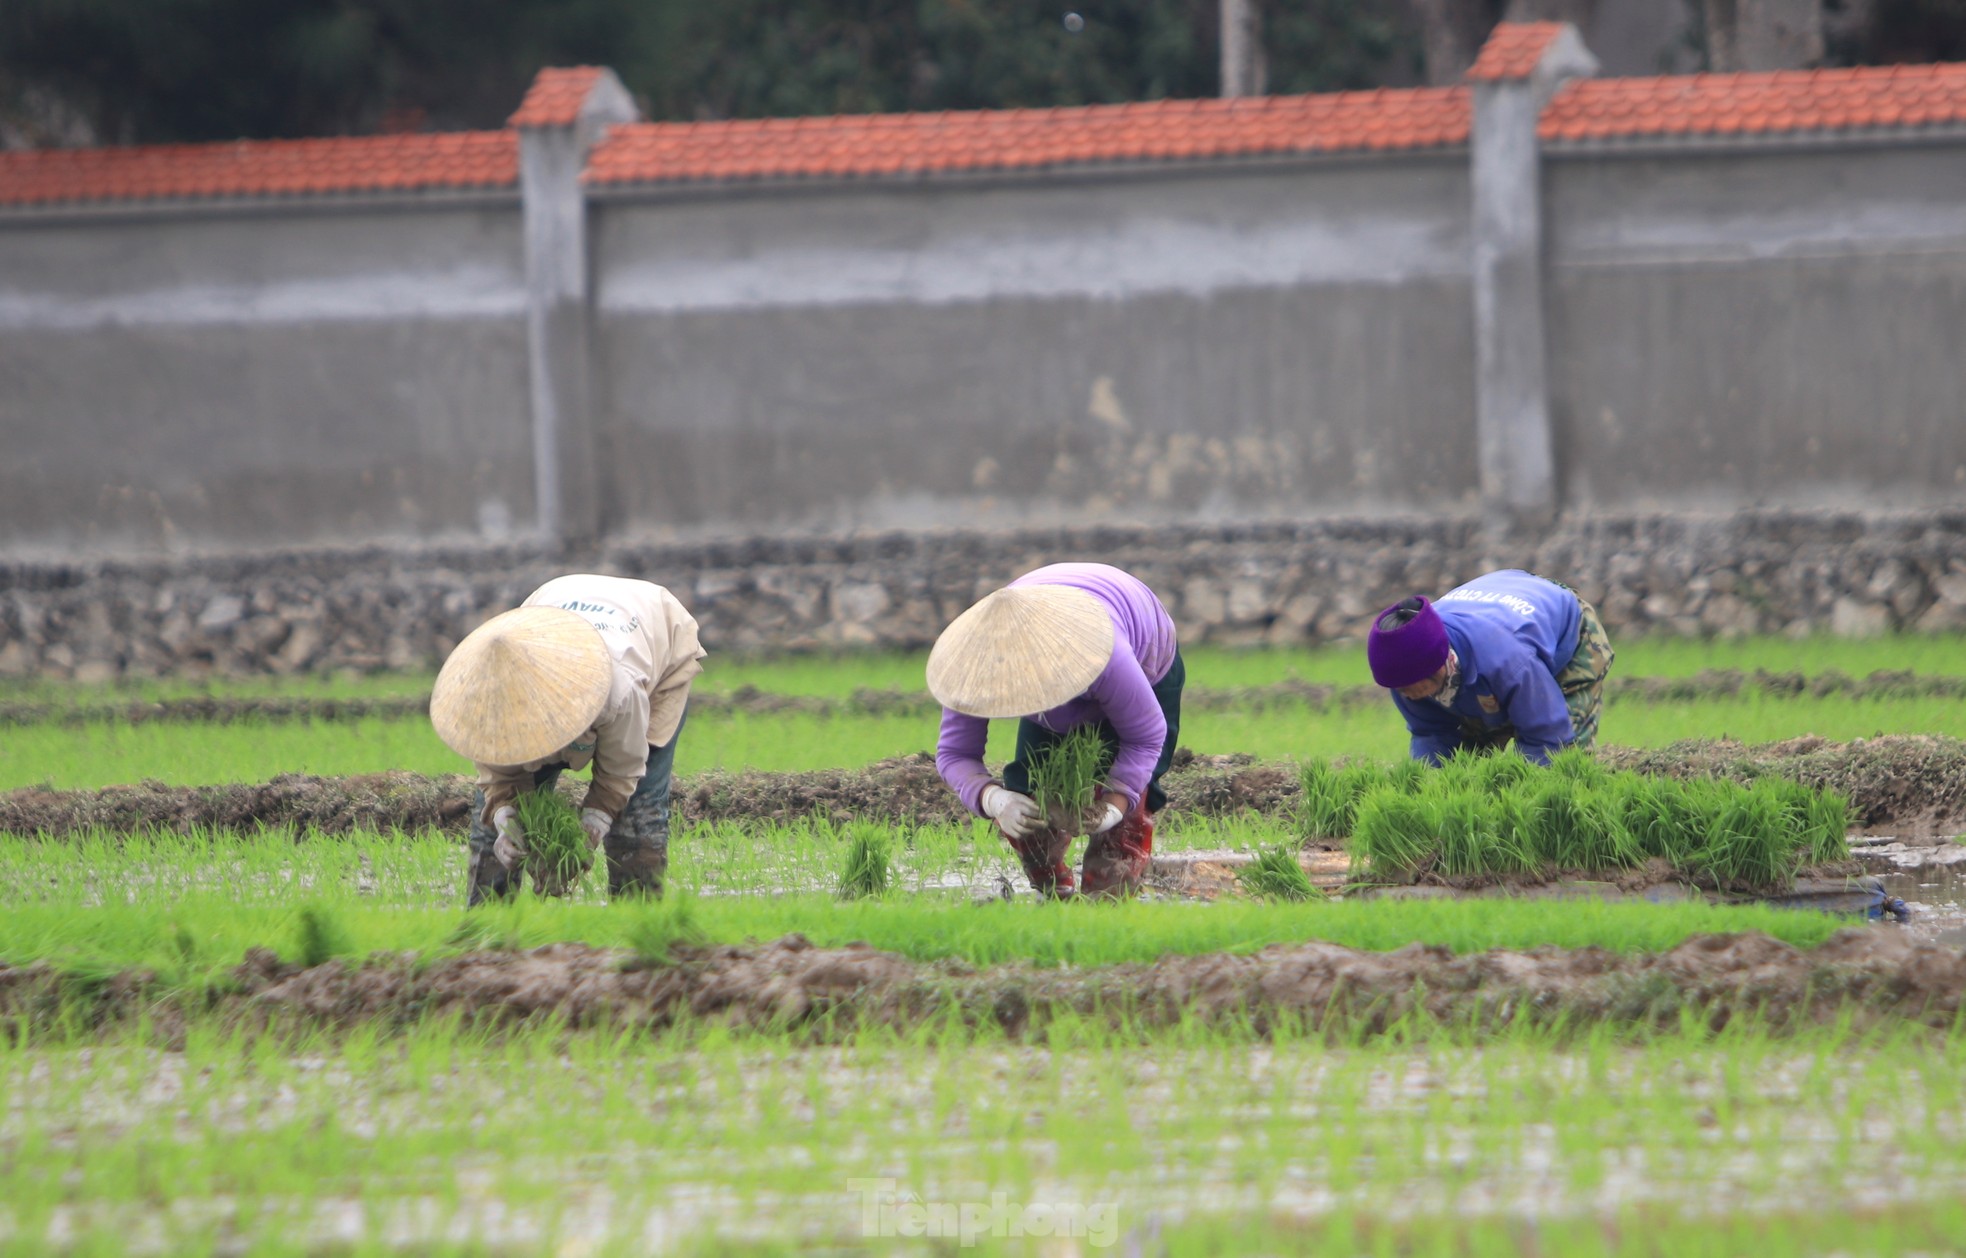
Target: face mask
x: 1450, y: 688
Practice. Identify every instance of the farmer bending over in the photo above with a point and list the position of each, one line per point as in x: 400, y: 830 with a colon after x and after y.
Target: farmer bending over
x: 588, y: 669
x: 1065, y: 647
x: 1508, y: 655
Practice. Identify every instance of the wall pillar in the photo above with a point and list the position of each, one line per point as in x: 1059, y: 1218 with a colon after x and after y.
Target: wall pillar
x: 563, y: 116
x: 1512, y: 80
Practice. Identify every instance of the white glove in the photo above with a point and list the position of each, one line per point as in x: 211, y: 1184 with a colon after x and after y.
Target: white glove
x: 510, y: 847
x: 1107, y: 819
x: 597, y: 824
x: 1016, y: 815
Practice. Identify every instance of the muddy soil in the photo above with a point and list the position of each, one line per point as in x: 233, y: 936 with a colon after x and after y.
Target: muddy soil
x: 1909, y: 785
x: 1869, y: 974
x: 1709, y: 684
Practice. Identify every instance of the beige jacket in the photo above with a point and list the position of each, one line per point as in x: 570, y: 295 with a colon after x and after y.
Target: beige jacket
x: 656, y: 654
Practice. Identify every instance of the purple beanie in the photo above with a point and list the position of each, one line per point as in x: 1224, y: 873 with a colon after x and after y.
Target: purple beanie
x: 1403, y: 654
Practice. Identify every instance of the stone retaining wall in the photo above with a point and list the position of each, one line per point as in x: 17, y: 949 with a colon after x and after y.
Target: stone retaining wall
x: 1240, y: 584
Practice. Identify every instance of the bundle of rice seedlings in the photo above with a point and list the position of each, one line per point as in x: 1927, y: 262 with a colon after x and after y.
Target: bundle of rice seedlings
x: 556, y: 845
x: 1579, y: 766
x: 1330, y: 797
x: 1466, y: 827
x: 1750, y: 844
x: 1819, y: 820
x: 1276, y: 875
x: 1577, y: 828
x: 865, y: 873
x: 1063, y: 778
x: 1497, y: 773
x: 1407, y: 775
x: 1461, y: 769
x: 1513, y: 815
x: 1826, y: 828
x: 1393, y: 837
x: 1661, y: 816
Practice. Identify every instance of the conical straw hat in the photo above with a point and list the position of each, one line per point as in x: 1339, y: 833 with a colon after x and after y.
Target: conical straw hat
x: 521, y: 686
x: 1024, y: 649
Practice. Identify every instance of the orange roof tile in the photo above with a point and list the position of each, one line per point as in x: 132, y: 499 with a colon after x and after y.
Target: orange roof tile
x: 555, y: 97
x: 1757, y: 104
x: 1013, y: 139
x: 1512, y: 51
x: 260, y: 168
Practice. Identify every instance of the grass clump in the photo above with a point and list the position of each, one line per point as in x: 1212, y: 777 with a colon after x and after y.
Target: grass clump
x: 870, y: 849
x: 1063, y: 777
x: 1276, y: 875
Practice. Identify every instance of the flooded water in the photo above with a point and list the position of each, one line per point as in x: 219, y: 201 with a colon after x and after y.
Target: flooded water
x: 1930, y: 879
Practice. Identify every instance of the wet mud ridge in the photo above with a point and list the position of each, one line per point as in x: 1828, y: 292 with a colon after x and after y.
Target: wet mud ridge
x: 1908, y: 785
x: 749, y: 700
x: 1868, y: 975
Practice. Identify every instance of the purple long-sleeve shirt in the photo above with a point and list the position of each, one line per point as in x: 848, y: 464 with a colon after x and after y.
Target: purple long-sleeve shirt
x: 1123, y: 693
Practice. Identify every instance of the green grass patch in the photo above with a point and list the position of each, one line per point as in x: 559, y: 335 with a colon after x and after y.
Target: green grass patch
x: 198, y: 939
x: 101, y: 754
x: 438, y: 1139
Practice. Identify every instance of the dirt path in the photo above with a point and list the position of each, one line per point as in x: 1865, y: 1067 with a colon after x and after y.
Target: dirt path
x: 1906, y: 784
x: 1870, y: 974
x: 1710, y: 684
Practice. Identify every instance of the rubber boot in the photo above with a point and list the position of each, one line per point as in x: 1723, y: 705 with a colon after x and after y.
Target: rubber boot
x: 637, y: 848
x: 1116, y: 862
x: 1043, y: 855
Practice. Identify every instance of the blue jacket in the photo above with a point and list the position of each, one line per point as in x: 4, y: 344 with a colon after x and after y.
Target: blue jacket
x: 1513, y: 633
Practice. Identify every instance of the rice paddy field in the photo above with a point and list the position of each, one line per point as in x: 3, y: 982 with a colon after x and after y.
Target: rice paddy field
x: 1360, y: 1009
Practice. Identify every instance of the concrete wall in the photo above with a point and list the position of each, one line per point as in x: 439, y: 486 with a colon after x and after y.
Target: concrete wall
x: 1242, y: 343
x: 213, y: 378
x: 1759, y: 327
x: 1775, y: 325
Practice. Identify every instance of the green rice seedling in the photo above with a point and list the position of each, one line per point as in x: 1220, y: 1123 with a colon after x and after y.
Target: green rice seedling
x: 1648, y: 815
x: 1276, y: 875
x: 556, y: 843
x: 1329, y: 802
x: 869, y: 849
x: 1820, y: 820
x: 319, y: 935
x: 1512, y: 822
x: 1461, y: 769
x: 1577, y: 828
x: 1394, y: 838
x: 1579, y: 766
x: 660, y: 926
x: 1063, y: 778
x: 1498, y: 772
x: 1464, y: 828
x: 1826, y: 828
x: 1410, y: 776
x: 1751, y: 844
